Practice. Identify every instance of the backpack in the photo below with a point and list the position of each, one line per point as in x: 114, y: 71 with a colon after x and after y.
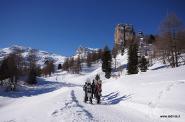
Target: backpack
x: 98, y: 86
x: 84, y: 88
x: 89, y: 88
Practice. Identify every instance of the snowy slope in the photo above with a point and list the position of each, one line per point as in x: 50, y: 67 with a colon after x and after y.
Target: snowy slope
x: 143, y: 97
x: 83, y: 51
x: 42, y: 55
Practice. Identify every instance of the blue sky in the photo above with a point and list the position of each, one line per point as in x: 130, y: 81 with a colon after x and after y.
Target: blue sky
x: 60, y: 26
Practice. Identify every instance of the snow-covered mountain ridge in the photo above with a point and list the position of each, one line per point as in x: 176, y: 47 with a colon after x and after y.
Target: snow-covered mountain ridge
x: 44, y: 55
x: 83, y: 51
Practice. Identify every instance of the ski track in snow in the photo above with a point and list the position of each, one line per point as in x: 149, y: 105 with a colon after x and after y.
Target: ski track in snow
x: 74, y: 106
x: 10, y: 121
x: 154, y: 104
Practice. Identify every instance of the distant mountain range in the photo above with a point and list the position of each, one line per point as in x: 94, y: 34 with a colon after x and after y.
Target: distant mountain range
x: 43, y: 56
x: 83, y: 51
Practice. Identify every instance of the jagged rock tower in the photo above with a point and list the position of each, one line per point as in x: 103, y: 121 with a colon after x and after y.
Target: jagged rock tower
x: 124, y: 33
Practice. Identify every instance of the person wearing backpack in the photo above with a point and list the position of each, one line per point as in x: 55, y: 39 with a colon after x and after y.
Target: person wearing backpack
x: 98, y: 88
x: 85, y: 90
x: 93, y: 88
x: 88, y: 91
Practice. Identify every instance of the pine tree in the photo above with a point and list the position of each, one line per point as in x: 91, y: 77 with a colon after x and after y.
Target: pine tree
x: 143, y: 64
x: 106, y: 62
x: 133, y: 59
x: 59, y: 66
x: 122, y: 48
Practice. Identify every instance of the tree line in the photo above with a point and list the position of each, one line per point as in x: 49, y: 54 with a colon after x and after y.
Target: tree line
x: 167, y: 45
x: 170, y: 43
x: 74, y: 65
x: 14, y: 67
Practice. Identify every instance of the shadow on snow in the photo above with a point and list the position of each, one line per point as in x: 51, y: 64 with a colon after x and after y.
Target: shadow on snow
x: 74, y: 99
x: 74, y: 103
x: 114, y: 98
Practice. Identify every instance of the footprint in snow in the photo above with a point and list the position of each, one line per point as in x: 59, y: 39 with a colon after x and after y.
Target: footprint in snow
x: 55, y: 112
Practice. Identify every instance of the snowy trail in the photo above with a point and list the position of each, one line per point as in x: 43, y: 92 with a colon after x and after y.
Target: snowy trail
x: 66, y: 104
x: 75, y: 109
x: 72, y: 110
x: 137, y: 98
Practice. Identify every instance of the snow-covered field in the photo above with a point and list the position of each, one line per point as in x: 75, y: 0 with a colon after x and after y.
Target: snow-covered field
x: 153, y: 96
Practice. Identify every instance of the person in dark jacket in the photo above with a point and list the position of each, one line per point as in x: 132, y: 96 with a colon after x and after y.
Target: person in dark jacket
x: 85, y: 90
x: 93, y: 89
x: 98, y: 88
x: 88, y: 91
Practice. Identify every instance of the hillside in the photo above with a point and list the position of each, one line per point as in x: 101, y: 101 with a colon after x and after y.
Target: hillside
x: 42, y: 56
x: 153, y: 96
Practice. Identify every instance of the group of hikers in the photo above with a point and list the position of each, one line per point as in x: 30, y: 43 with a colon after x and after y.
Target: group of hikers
x: 93, y: 90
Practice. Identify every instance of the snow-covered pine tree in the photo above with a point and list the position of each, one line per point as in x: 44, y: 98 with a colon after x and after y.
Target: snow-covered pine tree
x: 106, y: 62
x: 133, y: 59
x: 143, y: 64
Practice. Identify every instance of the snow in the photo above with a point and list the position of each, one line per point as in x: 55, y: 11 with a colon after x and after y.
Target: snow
x: 42, y: 55
x: 143, y: 97
x: 82, y: 52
